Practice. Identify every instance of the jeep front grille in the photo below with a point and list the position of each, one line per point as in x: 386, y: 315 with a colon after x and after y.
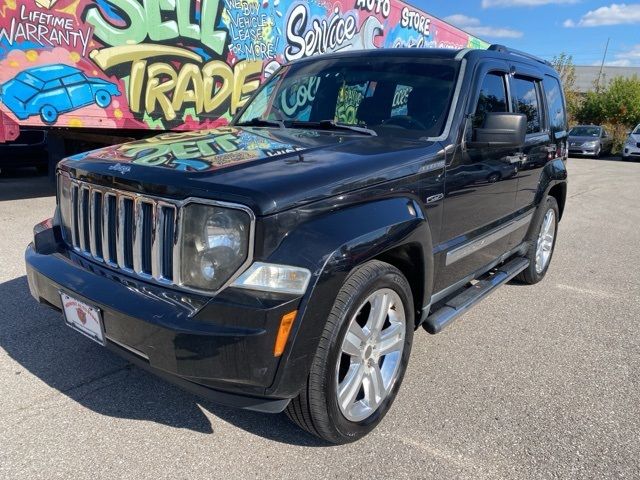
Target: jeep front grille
x: 127, y: 231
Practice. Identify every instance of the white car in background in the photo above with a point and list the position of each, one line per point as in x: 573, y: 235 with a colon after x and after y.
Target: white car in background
x: 631, y: 147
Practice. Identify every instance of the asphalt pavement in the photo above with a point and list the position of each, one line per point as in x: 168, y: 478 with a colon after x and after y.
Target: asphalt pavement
x: 535, y: 382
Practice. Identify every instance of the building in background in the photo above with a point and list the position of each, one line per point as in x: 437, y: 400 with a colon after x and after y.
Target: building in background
x: 587, y: 76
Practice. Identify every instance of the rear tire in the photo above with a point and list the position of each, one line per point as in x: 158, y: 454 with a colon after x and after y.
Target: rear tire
x: 340, y: 402
x: 48, y: 115
x: 541, y: 241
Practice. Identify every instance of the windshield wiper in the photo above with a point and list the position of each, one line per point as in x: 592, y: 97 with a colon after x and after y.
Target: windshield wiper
x: 333, y: 125
x: 261, y: 122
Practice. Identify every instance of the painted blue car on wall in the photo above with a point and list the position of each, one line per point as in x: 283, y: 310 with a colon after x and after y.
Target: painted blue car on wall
x: 50, y: 90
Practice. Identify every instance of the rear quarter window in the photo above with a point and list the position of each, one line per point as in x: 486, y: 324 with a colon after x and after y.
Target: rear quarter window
x: 555, y: 101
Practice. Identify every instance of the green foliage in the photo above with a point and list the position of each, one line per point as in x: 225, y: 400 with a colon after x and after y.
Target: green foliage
x: 622, y: 101
x: 616, y: 106
x: 563, y: 64
x: 591, y: 110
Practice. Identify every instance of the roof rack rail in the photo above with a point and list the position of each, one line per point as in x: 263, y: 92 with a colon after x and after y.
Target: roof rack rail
x: 502, y: 49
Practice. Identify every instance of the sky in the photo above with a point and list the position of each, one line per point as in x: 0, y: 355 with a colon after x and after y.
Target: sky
x: 548, y: 27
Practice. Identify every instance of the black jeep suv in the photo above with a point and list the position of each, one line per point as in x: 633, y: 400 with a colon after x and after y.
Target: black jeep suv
x: 285, y: 261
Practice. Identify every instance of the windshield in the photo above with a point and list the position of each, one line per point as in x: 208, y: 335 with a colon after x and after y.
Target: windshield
x: 29, y: 79
x: 409, y: 97
x: 585, y: 132
x: 636, y: 131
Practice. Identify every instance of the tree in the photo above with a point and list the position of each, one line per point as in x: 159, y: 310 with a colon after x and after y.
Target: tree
x: 563, y: 64
x: 591, y: 110
x: 622, y: 101
x: 616, y: 105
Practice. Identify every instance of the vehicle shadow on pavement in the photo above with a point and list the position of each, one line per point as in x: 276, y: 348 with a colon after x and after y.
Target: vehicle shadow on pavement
x: 36, y: 338
x: 24, y: 183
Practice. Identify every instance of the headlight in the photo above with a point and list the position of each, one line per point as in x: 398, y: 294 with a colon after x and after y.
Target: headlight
x: 630, y: 141
x: 215, y: 244
x: 590, y: 144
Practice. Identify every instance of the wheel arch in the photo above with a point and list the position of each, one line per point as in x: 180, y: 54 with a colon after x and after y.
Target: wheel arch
x: 553, y: 181
x: 409, y: 258
x: 392, y: 230
x: 559, y: 192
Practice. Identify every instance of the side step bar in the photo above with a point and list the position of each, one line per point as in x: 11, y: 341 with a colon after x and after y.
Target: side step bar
x: 456, y: 306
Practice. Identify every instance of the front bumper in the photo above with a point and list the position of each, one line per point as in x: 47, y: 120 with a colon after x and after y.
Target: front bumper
x: 586, y: 151
x: 220, y: 348
x: 631, y: 152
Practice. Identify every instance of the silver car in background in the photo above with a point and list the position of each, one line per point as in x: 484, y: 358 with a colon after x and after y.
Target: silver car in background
x: 631, y: 148
x: 589, y: 140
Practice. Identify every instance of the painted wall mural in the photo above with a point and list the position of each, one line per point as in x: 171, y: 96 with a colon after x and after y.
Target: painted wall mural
x: 180, y: 64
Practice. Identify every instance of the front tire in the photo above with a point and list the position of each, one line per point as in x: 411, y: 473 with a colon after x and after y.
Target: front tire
x: 103, y: 98
x: 362, y: 356
x: 542, y: 241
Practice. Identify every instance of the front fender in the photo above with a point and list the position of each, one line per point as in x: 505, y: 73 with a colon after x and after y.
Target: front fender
x: 331, y: 246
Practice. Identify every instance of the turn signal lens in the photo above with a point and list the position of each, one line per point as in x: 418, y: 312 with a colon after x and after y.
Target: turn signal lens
x: 274, y: 278
x: 286, y: 323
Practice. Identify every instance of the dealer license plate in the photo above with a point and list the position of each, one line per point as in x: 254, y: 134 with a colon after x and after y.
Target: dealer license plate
x: 83, y: 318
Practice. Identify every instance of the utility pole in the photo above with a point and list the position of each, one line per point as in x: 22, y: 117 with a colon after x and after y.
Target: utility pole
x: 604, y: 57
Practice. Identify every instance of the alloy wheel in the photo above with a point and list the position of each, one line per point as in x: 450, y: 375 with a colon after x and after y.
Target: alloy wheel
x: 371, y: 355
x: 545, y: 241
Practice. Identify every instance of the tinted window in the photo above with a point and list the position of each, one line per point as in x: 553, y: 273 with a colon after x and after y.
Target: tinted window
x: 526, y: 98
x: 585, y: 132
x: 73, y: 79
x: 493, y: 97
x: 52, y: 84
x: 30, y: 80
x: 555, y: 100
x: 392, y: 96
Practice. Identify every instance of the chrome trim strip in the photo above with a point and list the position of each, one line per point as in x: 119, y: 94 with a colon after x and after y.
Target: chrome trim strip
x: 120, y: 231
x: 137, y: 227
x: 82, y: 200
x: 157, y: 242
x: 74, y: 214
x: 488, y: 238
x: 106, y: 210
x: 93, y: 243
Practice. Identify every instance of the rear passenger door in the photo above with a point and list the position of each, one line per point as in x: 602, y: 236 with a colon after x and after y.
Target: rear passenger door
x: 527, y: 97
x: 79, y: 90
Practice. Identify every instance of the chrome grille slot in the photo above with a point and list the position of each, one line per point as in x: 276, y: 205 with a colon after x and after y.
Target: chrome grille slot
x: 95, y: 224
x: 168, y: 224
x: 126, y: 231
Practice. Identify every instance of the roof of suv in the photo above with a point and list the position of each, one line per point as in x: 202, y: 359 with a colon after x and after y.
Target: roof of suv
x: 494, y: 51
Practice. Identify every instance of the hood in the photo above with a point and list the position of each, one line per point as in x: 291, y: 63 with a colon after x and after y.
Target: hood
x: 18, y: 90
x: 634, y: 137
x: 267, y: 169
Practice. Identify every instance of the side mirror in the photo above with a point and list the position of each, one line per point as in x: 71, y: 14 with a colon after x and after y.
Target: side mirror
x: 501, y: 129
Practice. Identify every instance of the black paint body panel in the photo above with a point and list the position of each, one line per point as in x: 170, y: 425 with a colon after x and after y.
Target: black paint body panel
x: 325, y: 201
